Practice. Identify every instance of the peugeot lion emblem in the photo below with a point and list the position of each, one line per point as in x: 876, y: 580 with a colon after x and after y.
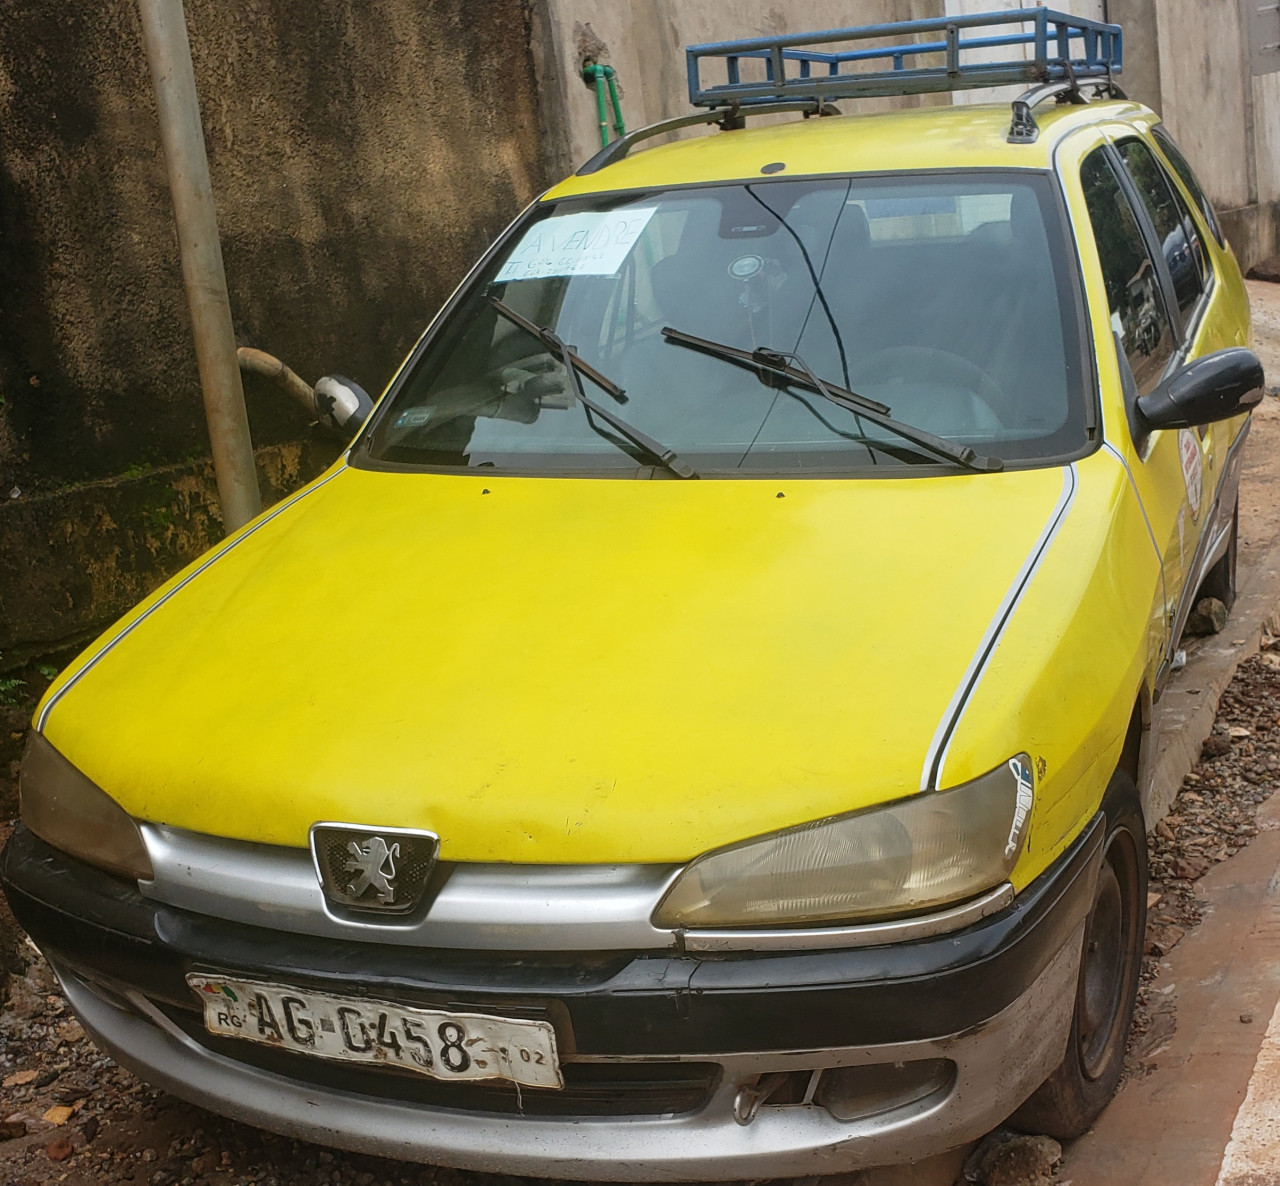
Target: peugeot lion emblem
x: 376, y: 864
x: 372, y: 870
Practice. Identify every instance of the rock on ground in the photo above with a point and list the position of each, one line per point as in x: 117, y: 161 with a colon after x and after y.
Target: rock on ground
x: 1006, y: 1158
x: 1208, y: 617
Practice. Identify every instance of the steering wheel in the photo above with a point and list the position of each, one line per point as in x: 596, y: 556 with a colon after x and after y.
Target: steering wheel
x: 926, y: 366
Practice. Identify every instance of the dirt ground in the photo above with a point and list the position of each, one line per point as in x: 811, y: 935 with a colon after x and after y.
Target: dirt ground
x: 1212, y: 818
x: 69, y: 1115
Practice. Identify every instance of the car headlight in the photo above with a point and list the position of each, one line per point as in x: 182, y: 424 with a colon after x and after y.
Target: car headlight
x: 888, y: 862
x: 67, y: 810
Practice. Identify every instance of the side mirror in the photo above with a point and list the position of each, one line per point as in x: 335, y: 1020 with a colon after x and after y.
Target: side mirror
x: 342, y: 405
x: 1221, y: 385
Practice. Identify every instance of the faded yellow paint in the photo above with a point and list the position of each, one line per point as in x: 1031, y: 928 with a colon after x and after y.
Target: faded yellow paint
x: 1092, y: 629
x: 558, y: 669
x: 585, y: 670
x: 1064, y: 678
x: 961, y: 137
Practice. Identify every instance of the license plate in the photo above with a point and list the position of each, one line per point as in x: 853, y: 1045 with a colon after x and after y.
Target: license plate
x: 428, y: 1041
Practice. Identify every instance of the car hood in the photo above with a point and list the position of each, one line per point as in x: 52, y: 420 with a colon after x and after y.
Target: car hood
x: 554, y: 670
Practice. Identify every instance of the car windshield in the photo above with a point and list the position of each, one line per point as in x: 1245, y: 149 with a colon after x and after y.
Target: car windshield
x: 945, y: 297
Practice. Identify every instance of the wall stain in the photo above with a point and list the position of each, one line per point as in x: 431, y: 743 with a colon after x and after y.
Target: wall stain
x: 361, y: 156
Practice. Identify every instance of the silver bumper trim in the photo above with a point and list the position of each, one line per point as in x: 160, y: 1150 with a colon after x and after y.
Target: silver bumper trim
x: 998, y: 1064
x: 481, y: 907
x: 490, y: 907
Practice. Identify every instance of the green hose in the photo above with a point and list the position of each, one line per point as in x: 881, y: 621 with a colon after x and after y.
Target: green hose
x: 600, y: 77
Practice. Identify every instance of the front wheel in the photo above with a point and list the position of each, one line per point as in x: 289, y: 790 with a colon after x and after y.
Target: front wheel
x: 1073, y: 1096
x: 1220, y: 580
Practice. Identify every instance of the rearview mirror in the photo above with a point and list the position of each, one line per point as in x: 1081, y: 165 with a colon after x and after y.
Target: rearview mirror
x: 1221, y: 385
x: 341, y: 404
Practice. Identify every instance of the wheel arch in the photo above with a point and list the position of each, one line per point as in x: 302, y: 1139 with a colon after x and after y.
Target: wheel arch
x: 1137, y: 754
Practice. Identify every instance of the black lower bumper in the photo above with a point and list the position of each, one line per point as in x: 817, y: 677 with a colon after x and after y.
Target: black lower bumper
x: 608, y: 1003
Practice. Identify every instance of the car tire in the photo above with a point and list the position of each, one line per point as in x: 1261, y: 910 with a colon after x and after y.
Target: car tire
x: 1220, y: 580
x: 1074, y: 1095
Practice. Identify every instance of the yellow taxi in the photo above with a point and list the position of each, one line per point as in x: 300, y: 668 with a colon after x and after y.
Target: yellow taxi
x: 696, y: 730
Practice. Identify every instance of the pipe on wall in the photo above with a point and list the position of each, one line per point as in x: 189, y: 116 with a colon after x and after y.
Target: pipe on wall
x: 259, y: 362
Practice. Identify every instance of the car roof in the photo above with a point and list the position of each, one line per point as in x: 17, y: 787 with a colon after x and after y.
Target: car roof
x: 967, y: 136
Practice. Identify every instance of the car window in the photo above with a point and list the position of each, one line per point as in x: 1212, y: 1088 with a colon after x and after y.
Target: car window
x: 949, y: 299
x: 1179, y: 239
x: 1136, y: 301
x: 1190, y: 180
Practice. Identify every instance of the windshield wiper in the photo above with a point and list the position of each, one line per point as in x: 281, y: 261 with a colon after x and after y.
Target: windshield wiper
x: 774, y: 362
x: 571, y: 360
x: 575, y: 368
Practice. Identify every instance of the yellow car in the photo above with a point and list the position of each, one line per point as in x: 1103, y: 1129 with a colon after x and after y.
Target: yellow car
x: 695, y: 730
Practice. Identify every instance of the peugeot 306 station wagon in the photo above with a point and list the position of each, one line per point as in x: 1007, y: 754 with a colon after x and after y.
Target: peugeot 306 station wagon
x: 755, y: 587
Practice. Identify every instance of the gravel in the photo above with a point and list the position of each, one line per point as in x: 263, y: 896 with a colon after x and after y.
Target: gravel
x: 1212, y: 818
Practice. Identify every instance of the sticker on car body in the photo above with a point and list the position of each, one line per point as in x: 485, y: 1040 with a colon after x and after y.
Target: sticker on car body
x: 1022, y: 804
x: 1192, y: 468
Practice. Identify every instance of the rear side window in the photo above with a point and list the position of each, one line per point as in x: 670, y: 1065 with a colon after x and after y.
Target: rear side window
x: 1179, y: 239
x: 1189, y: 179
x: 1138, y: 314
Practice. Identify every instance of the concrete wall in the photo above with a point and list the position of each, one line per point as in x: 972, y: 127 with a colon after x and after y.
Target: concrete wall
x: 75, y: 558
x: 361, y: 154
x: 1092, y: 9
x: 1189, y: 60
x: 1204, y: 94
x: 644, y: 42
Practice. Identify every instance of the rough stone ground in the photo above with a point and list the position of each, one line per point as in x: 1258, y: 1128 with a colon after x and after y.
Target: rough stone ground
x: 1211, y: 820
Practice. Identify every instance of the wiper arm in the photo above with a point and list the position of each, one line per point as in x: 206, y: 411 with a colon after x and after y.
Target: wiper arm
x: 575, y: 367
x: 572, y: 362
x: 774, y: 362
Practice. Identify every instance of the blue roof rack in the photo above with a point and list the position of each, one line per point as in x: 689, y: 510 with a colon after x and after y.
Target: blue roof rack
x: 1066, y: 49
x: 1068, y: 52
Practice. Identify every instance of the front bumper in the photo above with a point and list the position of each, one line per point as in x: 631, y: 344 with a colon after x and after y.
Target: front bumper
x: 657, y: 1047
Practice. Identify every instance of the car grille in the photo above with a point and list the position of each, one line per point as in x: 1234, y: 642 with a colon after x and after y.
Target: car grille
x: 591, y: 1089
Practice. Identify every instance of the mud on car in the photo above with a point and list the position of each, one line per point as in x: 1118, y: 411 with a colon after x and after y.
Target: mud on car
x: 756, y: 584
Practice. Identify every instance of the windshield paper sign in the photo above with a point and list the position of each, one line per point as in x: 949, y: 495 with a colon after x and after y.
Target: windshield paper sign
x: 592, y: 244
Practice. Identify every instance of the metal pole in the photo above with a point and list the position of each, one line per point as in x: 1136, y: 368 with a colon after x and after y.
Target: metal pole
x: 164, y: 31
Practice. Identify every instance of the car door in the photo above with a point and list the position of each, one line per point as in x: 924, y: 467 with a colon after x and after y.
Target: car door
x: 1147, y: 341
x: 1225, y: 323
x: 1210, y: 320
x: 1189, y: 281
x: 1193, y: 269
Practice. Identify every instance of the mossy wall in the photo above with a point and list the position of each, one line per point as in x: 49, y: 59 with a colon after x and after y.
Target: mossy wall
x: 362, y: 156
